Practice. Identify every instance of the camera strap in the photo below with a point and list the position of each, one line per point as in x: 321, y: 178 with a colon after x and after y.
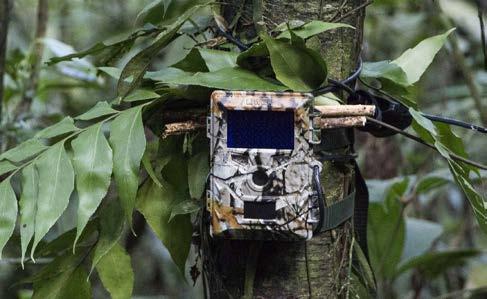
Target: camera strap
x: 338, y: 212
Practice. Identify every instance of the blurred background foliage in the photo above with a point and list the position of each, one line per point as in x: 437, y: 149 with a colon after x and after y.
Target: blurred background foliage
x: 423, y: 239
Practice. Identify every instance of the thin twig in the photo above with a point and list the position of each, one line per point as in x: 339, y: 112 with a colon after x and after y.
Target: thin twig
x: 482, y: 32
x: 419, y: 140
x: 353, y: 11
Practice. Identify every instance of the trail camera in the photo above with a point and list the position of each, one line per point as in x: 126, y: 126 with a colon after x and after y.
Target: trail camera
x: 262, y: 162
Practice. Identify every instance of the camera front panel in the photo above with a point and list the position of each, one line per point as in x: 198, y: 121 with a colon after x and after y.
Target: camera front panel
x: 261, y: 166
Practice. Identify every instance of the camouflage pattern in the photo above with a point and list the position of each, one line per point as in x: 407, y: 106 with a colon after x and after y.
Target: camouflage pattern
x: 288, y: 172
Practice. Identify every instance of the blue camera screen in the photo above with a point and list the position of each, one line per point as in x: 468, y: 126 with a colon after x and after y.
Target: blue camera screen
x: 260, y: 129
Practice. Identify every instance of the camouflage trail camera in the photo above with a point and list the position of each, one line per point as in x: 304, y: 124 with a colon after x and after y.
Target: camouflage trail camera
x: 262, y: 164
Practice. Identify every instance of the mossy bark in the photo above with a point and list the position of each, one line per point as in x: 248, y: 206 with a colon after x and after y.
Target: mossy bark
x: 320, y: 267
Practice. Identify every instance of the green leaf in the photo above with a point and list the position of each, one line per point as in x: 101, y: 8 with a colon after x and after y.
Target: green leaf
x: 28, y: 206
x: 193, y: 62
x: 198, y: 169
x: 111, y: 228
x: 185, y: 207
x: 99, y: 110
x: 150, y: 170
x: 63, y: 127
x: 106, y: 53
x: 155, y: 204
x: 295, y: 65
x: 63, y: 278
x: 65, y: 241
x: 174, y: 9
x: 138, y: 65
x: 56, y: 182
x: 385, y: 70
x: 128, y: 142
x: 477, y: 201
x: 386, y: 231
x: 253, y: 57
x: 415, y: 61
x: 216, y: 60
x: 433, y: 264
x: 111, y: 71
x: 8, y: 213
x: 410, y: 66
x: 6, y: 166
x: 364, y: 267
x: 429, y: 183
x: 310, y: 29
x: 116, y: 273
x: 152, y: 13
x: 228, y: 78
x: 446, y: 142
x: 24, y: 151
x: 92, y: 161
x: 167, y: 74
x: 141, y: 95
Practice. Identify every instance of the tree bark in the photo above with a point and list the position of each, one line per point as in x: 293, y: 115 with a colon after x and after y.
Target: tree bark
x: 320, y: 267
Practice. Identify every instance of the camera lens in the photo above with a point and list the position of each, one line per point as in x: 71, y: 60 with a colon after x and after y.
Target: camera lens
x: 260, y: 178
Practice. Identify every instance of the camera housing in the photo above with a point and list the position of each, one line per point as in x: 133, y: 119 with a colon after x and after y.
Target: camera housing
x: 261, y: 166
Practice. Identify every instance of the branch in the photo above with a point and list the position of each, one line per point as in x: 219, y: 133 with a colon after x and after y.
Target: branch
x: 41, y: 28
x: 4, y: 20
x: 346, y: 110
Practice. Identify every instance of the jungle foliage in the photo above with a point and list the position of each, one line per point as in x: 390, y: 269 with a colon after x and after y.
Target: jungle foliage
x: 172, y: 60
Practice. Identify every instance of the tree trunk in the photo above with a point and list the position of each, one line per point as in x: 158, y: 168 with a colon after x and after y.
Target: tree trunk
x: 320, y: 267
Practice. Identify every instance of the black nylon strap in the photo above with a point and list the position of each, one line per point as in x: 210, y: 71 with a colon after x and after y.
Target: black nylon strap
x: 338, y: 212
x: 361, y: 210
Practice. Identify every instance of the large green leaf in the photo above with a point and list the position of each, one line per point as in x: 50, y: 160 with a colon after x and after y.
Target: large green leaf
x: 228, y: 78
x: 155, y: 204
x: 193, y: 62
x: 6, y: 166
x: 56, y: 182
x: 99, y: 110
x: 111, y: 228
x: 137, y: 66
x: 63, y: 278
x: 92, y: 161
x: 24, y: 151
x: 185, y: 207
x: 141, y: 95
x: 63, y: 127
x: 128, y: 142
x: 8, y: 213
x: 310, y: 29
x: 216, y: 60
x: 385, y: 70
x: 386, y: 231
x: 152, y: 13
x: 433, y: 264
x: 295, y: 65
x: 28, y: 206
x: 116, y: 273
x: 198, y: 169
x: 410, y: 66
x: 415, y: 61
